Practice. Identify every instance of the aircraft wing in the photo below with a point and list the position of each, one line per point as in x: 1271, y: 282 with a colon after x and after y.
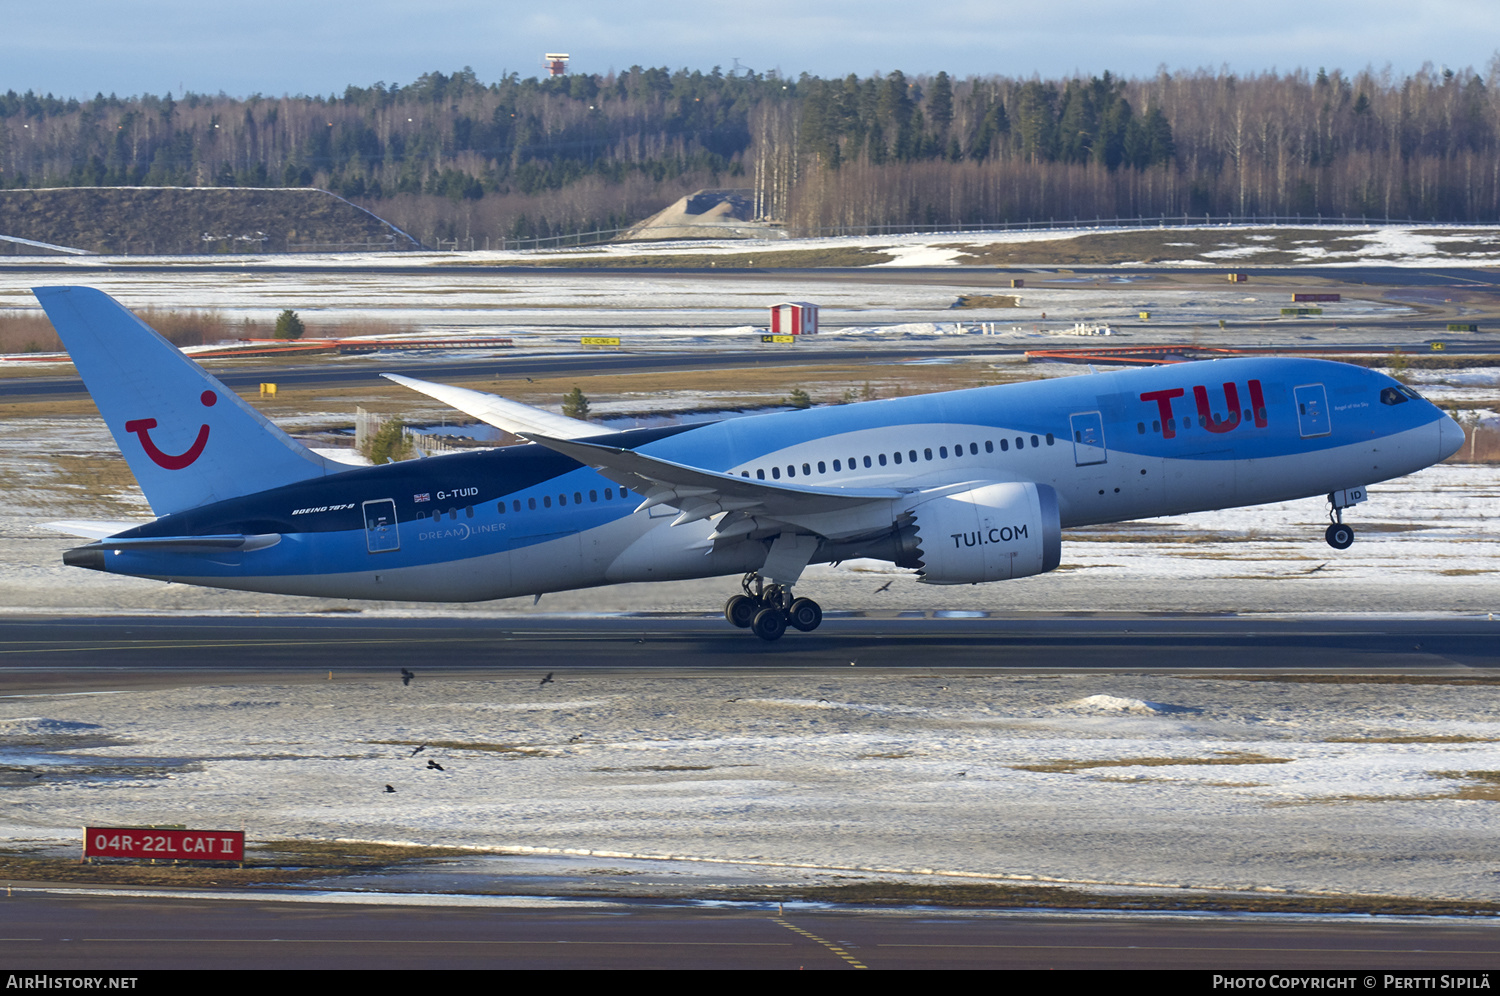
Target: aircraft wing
x: 512, y: 416
x: 754, y: 506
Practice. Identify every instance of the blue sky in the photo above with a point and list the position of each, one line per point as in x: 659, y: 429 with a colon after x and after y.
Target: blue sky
x: 318, y: 46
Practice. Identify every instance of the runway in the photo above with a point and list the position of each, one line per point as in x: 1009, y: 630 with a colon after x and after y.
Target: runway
x: 122, y: 933
x: 39, y: 652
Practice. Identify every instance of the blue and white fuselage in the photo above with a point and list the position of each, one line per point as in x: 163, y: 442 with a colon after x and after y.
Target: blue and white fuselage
x: 964, y: 486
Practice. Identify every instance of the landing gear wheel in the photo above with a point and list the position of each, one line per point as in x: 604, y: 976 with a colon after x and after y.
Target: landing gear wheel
x: 769, y: 624
x: 740, y: 610
x: 805, y: 614
x: 1339, y: 536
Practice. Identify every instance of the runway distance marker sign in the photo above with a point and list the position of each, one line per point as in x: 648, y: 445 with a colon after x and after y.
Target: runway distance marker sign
x: 145, y: 842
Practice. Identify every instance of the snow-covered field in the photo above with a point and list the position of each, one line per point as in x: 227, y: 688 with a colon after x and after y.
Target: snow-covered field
x: 542, y: 305
x: 1113, y: 778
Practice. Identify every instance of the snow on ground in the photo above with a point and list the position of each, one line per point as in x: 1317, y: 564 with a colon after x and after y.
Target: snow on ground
x: 1121, y: 778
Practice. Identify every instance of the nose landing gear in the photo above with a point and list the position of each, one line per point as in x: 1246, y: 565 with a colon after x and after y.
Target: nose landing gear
x: 1339, y: 535
x: 768, y: 609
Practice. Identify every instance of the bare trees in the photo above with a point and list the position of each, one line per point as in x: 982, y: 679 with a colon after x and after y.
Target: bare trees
x: 449, y: 156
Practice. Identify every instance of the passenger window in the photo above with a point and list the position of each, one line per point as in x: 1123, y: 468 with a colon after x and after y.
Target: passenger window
x: 609, y: 494
x: 1020, y: 443
x: 515, y: 506
x: 912, y: 455
x: 776, y: 473
x: 531, y: 504
x: 806, y: 470
x: 989, y: 447
x: 791, y: 470
x: 836, y: 467
x: 973, y: 449
x: 1035, y: 441
x: 469, y: 511
x: 867, y: 461
x: 1140, y: 428
x: 578, y: 498
x: 593, y: 496
x: 927, y: 453
x: 1050, y: 440
x: 546, y: 501
x: 1155, y: 427
x: 624, y: 493
x: 822, y: 468
x: 760, y: 474
x: 562, y: 500
x: 882, y: 459
x: 1005, y: 446
x: 942, y: 452
x: 897, y: 455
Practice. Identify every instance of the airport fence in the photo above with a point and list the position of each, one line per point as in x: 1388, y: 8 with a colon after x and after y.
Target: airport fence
x: 598, y: 236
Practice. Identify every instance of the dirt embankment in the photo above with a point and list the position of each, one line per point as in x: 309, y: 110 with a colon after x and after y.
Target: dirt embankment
x: 191, y: 221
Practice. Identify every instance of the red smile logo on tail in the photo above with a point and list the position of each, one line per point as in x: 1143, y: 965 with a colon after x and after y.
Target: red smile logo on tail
x: 142, y: 427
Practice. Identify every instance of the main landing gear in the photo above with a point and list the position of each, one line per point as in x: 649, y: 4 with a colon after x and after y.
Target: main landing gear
x: 768, y: 609
x: 1339, y: 535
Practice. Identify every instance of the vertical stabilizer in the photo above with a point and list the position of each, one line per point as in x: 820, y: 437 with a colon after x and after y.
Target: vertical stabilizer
x: 188, y: 439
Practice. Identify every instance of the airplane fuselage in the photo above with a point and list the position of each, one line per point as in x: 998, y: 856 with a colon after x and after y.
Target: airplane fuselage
x: 525, y: 519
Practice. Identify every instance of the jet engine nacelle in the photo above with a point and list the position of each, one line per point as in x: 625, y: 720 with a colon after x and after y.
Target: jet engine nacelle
x: 993, y: 533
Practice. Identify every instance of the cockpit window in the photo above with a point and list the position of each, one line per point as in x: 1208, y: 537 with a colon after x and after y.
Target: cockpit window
x: 1398, y: 395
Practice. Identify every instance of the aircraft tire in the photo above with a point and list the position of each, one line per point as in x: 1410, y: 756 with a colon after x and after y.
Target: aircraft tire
x: 805, y: 614
x: 769, y: 624
x: 1339, y: 536
x: 740, y: 610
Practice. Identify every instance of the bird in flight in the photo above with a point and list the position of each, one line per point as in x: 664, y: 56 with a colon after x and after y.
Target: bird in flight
x: 390, y: 788
x: 417, y: 751
x: 434, y: 766
x: 406, y: 676
x: 882, y: 587
x: 546, y: 680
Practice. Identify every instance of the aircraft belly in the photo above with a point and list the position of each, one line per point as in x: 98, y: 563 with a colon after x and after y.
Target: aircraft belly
x: 679, y: 553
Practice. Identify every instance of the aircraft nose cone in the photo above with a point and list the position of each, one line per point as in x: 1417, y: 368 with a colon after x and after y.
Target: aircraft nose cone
x: 1450, y: 437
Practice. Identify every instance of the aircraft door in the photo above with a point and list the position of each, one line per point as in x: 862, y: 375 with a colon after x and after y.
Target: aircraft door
x: 1312, y: 410
x: 1088, y: 439
x: 380, y: 526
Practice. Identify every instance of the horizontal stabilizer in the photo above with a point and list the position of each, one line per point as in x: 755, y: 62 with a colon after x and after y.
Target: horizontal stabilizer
x: 92, y: 528
x: 512, y: 416
x: 186, y: 544
x: 92, y: 556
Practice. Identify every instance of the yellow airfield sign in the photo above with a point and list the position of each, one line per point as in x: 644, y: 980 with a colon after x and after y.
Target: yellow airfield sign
x: 788, y: 339
x: 600, y: 340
